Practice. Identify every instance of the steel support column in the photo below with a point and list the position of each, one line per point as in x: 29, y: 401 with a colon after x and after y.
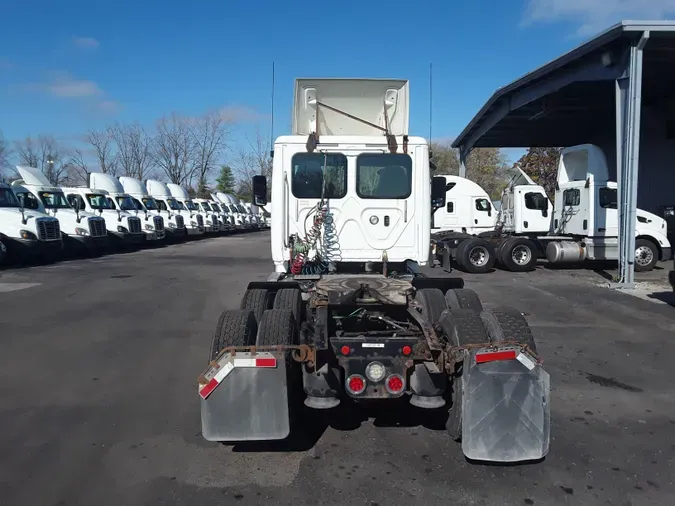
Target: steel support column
x: 628, y: 115
x: 462, y: 161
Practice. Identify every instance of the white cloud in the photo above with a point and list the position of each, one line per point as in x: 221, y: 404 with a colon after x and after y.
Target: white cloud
x: 66, y: 86
x: 86, y: 42
x: 593, y: 16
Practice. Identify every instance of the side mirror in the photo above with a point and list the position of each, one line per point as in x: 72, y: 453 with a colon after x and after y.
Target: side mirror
x: 76, y: 204
x: 489, y: 211
x: 437, y: 192
x: 259, y: 184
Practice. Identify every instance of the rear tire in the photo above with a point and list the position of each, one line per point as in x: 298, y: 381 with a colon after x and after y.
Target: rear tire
x: 476, y: 256
x: 236, y: 327
x: 518, y: 254
x: 291, y: 299
x: 507, y: 324
x: 432, y: 302
x: 463, y: 298
x: 276, y: 327
x: 461, y: 327
x: 256, y: 300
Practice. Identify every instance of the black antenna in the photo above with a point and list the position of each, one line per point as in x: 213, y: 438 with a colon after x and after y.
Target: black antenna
x: 430, y: 103
x: 272, y: 117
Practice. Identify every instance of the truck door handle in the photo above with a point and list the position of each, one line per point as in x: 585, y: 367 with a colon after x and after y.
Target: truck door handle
x: 476, y: 221
x: 386, y: 221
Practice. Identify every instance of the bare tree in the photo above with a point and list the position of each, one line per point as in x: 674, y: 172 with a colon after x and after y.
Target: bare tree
x: 210, y: 133
x: 103, y: 145
x: 133, y: 150
x: 254, y: 161
x: 174, y: 148
x: 79, y: 170
x: 44, y: 153
x: 5, y: 153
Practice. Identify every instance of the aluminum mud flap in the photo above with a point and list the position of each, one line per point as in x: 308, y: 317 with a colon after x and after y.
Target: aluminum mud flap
x: 505, y: 406
x: 245, y: 398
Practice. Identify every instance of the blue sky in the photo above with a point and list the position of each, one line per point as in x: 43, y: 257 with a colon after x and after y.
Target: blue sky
x: 69, y: 66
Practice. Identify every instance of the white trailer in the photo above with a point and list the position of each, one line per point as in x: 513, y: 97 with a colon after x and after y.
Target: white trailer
x: 581, y: 225
x: 346, y: 314
x: 26, y: 235
x: 82, y: 232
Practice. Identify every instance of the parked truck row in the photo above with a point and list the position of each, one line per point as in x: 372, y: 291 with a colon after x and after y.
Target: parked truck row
x: 582, y: 223
x: 39, y: 221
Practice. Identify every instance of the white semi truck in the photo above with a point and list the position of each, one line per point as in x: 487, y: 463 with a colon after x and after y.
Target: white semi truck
x: 211, y: 217
x: 346, y: 316
x: 229, y: 201
x: 583, y: 224
x: 196, y: 219
x: 119, y: 200
x: 82, y: 232
x: 26, y: 235
x: 166, y: 201
x: 468, y: 208
x: 124, y: 229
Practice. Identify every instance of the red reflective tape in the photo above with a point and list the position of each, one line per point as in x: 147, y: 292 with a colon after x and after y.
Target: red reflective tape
x: 266, y: 362
x: 495, y: 355
x: 208, y: 388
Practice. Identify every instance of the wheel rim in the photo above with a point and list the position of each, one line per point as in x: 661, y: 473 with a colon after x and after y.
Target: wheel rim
x: 521, y: 255
x: 479, y: 256
x: 643, y: 256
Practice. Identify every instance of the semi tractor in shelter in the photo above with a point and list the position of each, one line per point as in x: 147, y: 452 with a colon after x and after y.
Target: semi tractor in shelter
x: 346, y: 316
x: 583, y: 224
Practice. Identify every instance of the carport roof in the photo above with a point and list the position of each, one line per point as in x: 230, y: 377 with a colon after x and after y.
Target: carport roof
x: 570, y: 99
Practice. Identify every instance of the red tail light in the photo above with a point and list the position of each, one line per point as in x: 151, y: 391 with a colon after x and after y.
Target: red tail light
x: 356, y: 384
x: 406, y: 350
x: 345, y: 350
x: 395, y: 384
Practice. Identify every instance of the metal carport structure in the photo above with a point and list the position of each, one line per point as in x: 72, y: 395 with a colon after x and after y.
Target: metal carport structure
x: 596, y: 94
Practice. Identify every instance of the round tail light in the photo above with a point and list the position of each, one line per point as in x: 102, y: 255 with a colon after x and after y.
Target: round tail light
x: 356, y: 384
x: 406, y: 350
x: 395, y: 384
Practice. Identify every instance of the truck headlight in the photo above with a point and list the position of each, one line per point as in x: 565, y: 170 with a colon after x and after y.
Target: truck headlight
x: 149, y: 227
x: 27, y: 235
x: 122, y: 229
x: 172, y: 225
x: 81, y: 231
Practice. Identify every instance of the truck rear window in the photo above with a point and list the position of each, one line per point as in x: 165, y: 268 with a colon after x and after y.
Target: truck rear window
x: 307, y: 177
x: 384, y: 176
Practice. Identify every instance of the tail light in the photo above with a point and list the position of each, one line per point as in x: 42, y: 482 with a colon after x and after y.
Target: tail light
x: 395, y: 384
x: 356, y: 384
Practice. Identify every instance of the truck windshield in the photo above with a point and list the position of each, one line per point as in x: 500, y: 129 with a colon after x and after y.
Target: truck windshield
x: 205, y: 206
x: 215, y: 207
x: 191, y: 205
x: 7, y: 198
x: 173, y: 204
x: 98, y: 201
x: 234, y: 209
x: 125, y: 203
x: 54, y: 200
x: 383, y: 176
x: 241, y: 209
x: 308, y: 169
x: 150, y: 203
x: 180, y: 205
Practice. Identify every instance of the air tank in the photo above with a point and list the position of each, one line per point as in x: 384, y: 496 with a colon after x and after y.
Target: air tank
x: 565, y: 252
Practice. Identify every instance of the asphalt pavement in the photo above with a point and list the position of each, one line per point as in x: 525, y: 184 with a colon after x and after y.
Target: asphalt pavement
x: 98, y: 400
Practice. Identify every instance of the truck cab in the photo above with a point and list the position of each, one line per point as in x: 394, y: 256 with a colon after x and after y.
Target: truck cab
x: 26, y: 233
x: 81, y: 231
x: 166, y: 201
x: 526, y: 208
x: 228, y: 201
x: 467, y: 209
x: 124, y: 228
x: 224, y: 217
x: 186, y: 203
x: 211, y: 218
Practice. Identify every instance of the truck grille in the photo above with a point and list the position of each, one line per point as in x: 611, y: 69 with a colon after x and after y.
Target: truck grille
x: 180, y: 223
x: 200, y: 220
x: 134, y: 225
x: 159, y: 223
x: 97, y: 227
x: 48, y: 229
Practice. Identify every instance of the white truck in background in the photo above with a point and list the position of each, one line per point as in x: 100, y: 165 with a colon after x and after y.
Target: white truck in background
x: 174, y: 225
x: 196, y: 219
x: 82, y: 232
x: 26, y: 235
x: 165, y: 200
x: 124, y: 229
x: 468, y: 209
x: 239, y: 218
x: 583, y: 223
x: 211, y: 217
x: 119, y: 200
x: 224, y: 216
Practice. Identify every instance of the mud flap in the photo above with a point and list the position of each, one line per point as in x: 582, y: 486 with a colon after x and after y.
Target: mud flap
x: 505, y: 409
x: 248, y: 404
